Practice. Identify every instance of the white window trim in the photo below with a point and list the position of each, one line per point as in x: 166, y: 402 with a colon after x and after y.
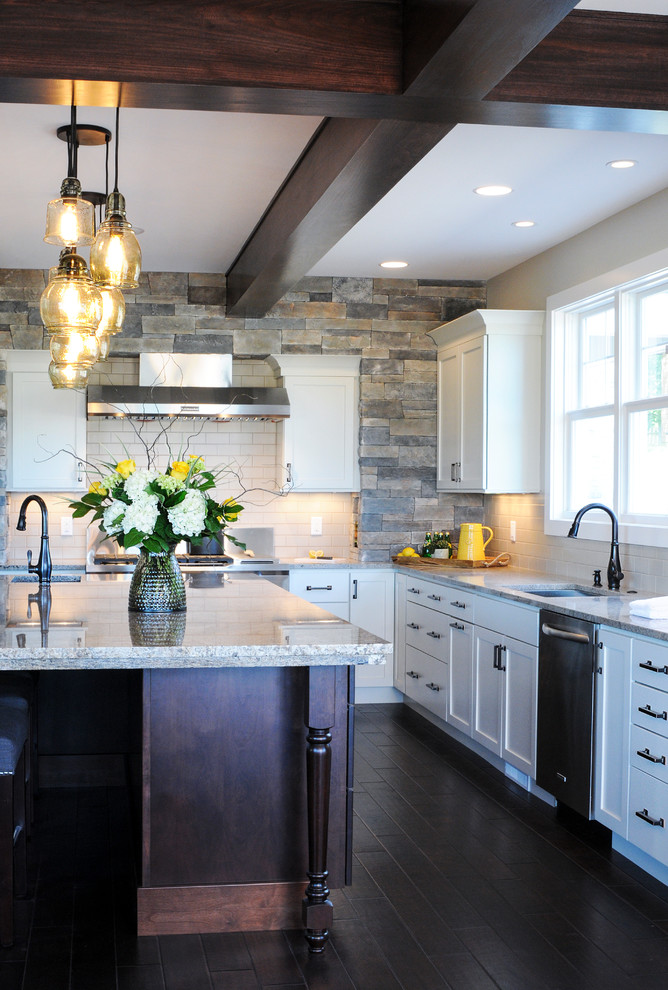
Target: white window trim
x: 595, y: 526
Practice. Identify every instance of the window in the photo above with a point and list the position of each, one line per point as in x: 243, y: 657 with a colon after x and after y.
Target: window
x: 608, y: 426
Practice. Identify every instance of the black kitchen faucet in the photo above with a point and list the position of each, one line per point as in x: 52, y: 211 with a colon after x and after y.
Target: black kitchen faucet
x: 615, y: 573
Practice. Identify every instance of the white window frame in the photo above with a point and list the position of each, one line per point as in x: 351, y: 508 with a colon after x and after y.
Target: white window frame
x: 619, y: 285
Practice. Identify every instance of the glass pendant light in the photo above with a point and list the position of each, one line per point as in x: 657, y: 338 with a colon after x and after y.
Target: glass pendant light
x: 113, y: 314
x: 115, y: 257
x: 70, y: 219
x: 71, y: 301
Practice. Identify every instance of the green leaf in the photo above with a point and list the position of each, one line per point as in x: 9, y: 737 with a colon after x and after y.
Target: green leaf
x: 134, y: 538
x: 174, y: 499
x: 79, y: 513
x: 92, y: 498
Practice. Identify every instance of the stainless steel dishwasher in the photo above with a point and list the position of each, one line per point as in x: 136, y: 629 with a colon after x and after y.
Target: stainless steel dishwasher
x: 566, y: 663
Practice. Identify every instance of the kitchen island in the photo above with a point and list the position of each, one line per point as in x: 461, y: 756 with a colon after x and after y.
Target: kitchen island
x: 246, y: 739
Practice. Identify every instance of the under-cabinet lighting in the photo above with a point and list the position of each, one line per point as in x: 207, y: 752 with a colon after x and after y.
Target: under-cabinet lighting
x: 524, y: 223
x: 394, y: 264
x: 622, y: 163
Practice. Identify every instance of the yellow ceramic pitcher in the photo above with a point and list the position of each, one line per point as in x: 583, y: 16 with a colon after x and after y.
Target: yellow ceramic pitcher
x: 471, y: 545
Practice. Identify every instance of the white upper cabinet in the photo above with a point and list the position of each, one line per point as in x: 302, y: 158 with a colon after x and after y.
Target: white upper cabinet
x: 46, y: 428
x: 320, y: 440
x: 489, y: 401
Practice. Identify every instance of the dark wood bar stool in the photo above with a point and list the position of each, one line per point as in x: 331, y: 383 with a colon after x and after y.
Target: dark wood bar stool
x: 14, y: 731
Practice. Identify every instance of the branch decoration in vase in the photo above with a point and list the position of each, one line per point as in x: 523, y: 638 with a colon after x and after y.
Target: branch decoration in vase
x: 155, y: 510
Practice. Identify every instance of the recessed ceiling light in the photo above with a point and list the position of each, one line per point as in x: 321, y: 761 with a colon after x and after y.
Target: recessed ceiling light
x: 524, y: 223
x: 622, y: 163
x: 493, y: 190
x: 394, y: 264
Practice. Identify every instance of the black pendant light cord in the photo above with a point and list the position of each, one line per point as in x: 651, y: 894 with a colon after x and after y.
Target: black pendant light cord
x: 116, y: 153
x: 72, y: 144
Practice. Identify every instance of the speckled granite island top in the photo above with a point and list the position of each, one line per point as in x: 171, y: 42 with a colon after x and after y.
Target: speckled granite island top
x: 239, y: 621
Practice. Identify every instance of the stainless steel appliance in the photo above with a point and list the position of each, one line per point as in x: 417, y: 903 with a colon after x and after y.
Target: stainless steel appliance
x: 104, y: 556
x: 566, y: 664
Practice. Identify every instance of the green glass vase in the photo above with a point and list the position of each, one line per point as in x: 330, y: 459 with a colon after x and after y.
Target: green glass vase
x: 157, y: 584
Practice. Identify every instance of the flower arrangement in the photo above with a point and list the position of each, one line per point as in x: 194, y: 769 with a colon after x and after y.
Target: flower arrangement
x: 144, y: 507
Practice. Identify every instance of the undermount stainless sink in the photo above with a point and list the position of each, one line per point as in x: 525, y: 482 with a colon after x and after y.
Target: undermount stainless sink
x: 55, y: 578
x: 559, y: 591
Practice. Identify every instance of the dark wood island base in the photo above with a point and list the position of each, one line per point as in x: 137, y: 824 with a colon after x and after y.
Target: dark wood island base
x: 233, y: 817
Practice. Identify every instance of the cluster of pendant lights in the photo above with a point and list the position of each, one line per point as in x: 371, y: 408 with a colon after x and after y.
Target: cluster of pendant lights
x: 81, y: 310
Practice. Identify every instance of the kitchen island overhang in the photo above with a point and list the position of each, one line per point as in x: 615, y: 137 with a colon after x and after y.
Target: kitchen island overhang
x: 234, y: 693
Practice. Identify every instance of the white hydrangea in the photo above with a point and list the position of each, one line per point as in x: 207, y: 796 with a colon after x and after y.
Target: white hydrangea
x: 168, y: 484
x: 136, y: 484
x: 113, y: 517
x: 187, y: 518
x: 141, y: 514
x: 111, y: 480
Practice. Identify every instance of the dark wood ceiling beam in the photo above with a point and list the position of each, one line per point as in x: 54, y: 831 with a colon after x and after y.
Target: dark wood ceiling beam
x: 596, y: 58
x: 347, y: 45
x: 352, y: 164
x: 360, y: 106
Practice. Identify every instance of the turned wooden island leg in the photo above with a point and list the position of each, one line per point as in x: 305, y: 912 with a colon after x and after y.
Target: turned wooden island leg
x: 317, y: 910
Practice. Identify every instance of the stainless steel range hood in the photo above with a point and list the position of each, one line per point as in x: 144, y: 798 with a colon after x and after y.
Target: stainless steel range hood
x: 197, y: 386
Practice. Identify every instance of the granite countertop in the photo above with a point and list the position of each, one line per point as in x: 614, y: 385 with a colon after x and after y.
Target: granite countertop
x: 610, y: 608
x: 232, y: 620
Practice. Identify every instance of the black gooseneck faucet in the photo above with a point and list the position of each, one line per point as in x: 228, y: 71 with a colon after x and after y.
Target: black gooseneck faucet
x: 43, y: 567
x: 615, y: 573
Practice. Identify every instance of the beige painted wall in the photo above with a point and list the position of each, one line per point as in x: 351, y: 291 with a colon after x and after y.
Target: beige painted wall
x: 612, y: 245
x: 634, y: 233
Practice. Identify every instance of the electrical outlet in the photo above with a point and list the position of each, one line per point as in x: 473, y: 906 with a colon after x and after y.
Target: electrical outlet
x: 513, y: 531
x: 316, y: 525
x: 66, y: 526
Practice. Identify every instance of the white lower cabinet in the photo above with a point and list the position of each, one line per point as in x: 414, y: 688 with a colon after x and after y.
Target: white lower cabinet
x: 460, y: 693
x: 611, y: 729
x: 364, y: 597
x: 427, y: 681
x: 372, y: 608
x: 505, y: 687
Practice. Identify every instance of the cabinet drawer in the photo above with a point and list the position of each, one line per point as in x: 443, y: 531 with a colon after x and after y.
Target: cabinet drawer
x: 648, y: 814
x: 518, y: 621
x: 427, y: 681
x: 650, y: 663
x: 319, y: 584
x: 649, y: 752
x: 649, y: 708
x: 427, y: 630
x: 441, y: 598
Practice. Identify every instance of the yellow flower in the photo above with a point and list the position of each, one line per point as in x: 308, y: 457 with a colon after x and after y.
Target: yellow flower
x: 126, y: 468
x: 97, y: 488
x: 231, y: 516
x: 179, y: 470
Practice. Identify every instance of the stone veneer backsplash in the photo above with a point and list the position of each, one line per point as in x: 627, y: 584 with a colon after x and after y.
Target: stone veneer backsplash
x: 384, y: 321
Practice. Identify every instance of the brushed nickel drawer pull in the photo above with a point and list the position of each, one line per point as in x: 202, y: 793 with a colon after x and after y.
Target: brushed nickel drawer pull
x: 413, y: 591
x: 646, y: 755
x: 433, y: 687
x: 434, y: 635
x: 459, y: 604
x: 647, y: 710
x: 313, y: 587
x: 457, y: 625
x: 648, y: 665
x: 412, y: 625
x: 411, y: 673
x: 434, y: 598
x: 646, y: 817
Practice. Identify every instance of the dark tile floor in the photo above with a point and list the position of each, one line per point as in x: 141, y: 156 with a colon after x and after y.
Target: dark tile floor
x: 461, y: 880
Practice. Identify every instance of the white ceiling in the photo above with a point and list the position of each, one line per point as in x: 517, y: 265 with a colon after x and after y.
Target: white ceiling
x: 198, y: 182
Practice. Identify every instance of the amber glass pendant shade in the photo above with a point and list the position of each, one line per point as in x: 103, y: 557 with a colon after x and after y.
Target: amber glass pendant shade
x: 68, y: 375
x: 71, y: 301
x: 70, y: 220
x: 113, y: 313
x: 115, y: 257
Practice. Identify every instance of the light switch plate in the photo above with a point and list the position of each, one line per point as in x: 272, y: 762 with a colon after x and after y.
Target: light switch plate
x: 66, y: 526
x: 513, y: 531
x: 316, y: 525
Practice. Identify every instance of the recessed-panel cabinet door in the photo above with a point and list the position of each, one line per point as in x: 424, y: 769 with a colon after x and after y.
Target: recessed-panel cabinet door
x: 520, y: 701
x: 449, y: 419
x: 487, y: 690
x: 372, y: 608
x: 460, y: 655
x: 611, y: 767
x: 473, y: 474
